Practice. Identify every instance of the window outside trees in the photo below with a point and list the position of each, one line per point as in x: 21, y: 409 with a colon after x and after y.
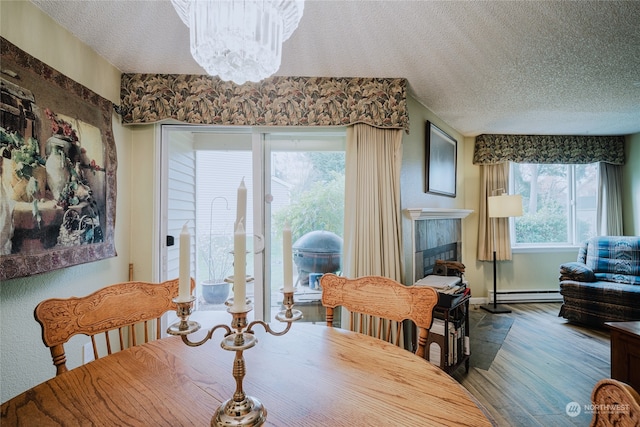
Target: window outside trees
x: 307, y: 184
x: 304, y: 187
x: 559, y: 203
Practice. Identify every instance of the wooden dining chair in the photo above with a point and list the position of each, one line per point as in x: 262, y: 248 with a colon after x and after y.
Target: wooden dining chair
x: 378, y: 306
x: 615, y: 403
x: 110, y: 310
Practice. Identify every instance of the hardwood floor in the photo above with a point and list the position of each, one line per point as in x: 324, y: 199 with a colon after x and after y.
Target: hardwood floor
x: 528, y: 375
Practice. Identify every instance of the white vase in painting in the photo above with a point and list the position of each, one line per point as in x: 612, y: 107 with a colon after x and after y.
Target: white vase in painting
x: 57, y: 172
x: 6, y: 207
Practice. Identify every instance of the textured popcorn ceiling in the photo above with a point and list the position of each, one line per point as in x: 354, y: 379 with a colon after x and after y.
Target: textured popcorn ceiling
x: 531, y: 67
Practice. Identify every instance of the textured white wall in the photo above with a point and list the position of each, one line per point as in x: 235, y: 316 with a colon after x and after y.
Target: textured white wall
x: 24, y: 360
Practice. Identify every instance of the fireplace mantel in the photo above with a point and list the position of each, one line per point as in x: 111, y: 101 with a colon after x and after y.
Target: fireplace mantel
x: 437, y: 213
x: 436, y: 233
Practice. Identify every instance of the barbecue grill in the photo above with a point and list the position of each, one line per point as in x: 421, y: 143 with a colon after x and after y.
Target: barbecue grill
x: 317, y: 252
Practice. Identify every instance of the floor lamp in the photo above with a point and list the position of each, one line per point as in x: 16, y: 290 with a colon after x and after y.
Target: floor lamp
x: 503, y: 206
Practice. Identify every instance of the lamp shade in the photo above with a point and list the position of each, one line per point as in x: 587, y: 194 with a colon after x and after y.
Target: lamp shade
x: 504, y: 206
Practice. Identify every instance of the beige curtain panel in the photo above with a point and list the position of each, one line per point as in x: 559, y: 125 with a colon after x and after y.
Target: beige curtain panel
x: 609, y: 201
x: 372, y: 223
x: 492, y: 179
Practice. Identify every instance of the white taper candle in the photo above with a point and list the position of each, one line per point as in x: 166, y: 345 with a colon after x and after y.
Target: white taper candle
x: 241, y: 207
x: 184, y: 288
x: 287, y: 259
x: 239, y: 268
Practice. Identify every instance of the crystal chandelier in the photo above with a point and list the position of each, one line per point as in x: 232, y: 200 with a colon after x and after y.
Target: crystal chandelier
x: 239, y: 40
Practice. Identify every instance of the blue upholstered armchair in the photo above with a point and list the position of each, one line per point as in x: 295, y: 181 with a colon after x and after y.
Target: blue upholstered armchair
x: 603, y: 285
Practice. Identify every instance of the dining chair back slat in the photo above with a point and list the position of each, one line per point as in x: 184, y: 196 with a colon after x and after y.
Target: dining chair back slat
x: 121, y: 337
x: 134, y: 340
x: 108, y: 340
x: 378, y: 307
x: 113, y: 308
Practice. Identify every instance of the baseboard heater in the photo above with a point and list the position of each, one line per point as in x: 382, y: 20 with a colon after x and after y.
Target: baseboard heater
x: 529, y: 295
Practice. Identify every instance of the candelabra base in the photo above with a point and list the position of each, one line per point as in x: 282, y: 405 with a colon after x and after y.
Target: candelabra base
x: 238, y: 341
x: 184, y: 327
x: 248, y: 412
x: 289, y: 315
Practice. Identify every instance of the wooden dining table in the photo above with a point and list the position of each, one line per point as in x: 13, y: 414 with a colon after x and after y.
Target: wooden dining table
x: 311, y: 376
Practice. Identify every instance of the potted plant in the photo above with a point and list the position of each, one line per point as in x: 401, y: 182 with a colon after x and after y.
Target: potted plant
x: 216, y: 251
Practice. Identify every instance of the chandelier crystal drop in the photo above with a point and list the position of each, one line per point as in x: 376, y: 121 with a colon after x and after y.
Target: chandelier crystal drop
x: 239, y: 40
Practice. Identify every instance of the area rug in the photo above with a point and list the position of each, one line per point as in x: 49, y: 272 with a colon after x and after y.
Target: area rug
x: 487, y: 332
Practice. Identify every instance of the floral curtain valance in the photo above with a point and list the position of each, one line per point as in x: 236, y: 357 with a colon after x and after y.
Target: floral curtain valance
x: 276, y: 101
x: 569, y: 149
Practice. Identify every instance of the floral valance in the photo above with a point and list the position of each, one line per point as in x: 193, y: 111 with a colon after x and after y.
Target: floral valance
x: 565, y: 149
x: 276, y: 101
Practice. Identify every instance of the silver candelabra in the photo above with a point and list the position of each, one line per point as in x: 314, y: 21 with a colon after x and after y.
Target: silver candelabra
x: 241, y: 409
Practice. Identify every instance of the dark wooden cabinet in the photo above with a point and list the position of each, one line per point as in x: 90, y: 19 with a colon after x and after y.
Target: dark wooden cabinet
x: 625, y: 352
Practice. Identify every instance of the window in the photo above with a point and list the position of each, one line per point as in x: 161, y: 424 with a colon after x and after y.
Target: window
x: 559, y: 204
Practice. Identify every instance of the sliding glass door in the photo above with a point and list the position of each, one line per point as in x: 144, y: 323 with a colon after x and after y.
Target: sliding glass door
x: 295, y: 178
x: 305, y: 187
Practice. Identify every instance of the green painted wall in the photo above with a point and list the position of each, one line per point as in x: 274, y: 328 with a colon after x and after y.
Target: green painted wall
x: 24, y: 360
x: 412, y: 179
x: 528, y: 270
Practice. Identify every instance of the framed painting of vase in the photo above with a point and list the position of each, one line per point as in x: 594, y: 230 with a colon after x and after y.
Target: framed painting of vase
x: 58, y: 168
